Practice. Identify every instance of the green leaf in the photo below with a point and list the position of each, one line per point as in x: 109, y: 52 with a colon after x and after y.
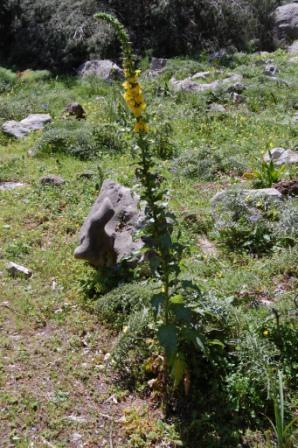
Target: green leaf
x: 178, y: 369
x: 199, y: 343
x: 167, y: 336
x: 182, y: 313
x: 216, y: 342
x: 156, y: 301
x: 177, y: 299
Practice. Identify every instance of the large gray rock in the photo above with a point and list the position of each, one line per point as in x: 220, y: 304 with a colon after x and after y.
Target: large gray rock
x: 106, y: 236
x: 286, y: 23
x: 19, y: 129
x: 103, y: 68
x: 293, y: 49
x: 158, y: 64
x: 190, y: 84
x: 281, y: 156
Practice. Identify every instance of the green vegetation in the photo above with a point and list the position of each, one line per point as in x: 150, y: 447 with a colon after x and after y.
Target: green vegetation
x: 79, y: 352
x: 66, y: 33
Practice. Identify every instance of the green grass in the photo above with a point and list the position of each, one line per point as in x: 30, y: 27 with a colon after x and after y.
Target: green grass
x: 52, y: 341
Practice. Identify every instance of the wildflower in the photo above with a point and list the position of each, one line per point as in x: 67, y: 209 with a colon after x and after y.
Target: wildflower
x: 141, y: 126
x: 266, y: 333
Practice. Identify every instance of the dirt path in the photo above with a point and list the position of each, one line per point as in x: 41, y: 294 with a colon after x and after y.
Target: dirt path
x: 55, y: 388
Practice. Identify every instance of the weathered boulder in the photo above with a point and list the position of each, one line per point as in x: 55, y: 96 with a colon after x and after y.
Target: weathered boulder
x: 293, y: 49
x: 75, y: 110
x: 286, y: 23
x: 281, y: 156
x: 20, y: 129
x: 52, y: 179
x: 103, y: 68
x: 158, y: 64
x: 190, y: 84
x: 106, y: 236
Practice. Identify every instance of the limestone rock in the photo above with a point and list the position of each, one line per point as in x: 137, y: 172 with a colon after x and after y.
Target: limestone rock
x: 190, y: 85
x: 215, y: 107
x: 11, y: 185
x: 158, y: 64
x: 270, y: 70
x: 106, y: 236
x: 51, y: 179
x: 281, y: 156
x: 286, y: 23
x: 17, y: 270
x: 103, y: 68
x: 293, y: 49
x: 20, y: 129
x: 75, y: 110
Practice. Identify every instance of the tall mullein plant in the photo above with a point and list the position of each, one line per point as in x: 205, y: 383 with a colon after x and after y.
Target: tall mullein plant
x: 164, y: 254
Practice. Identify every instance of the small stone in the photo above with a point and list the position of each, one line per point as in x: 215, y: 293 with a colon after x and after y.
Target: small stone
x: 77, y: 419
x: 270, y: 70
x: 207, y: 247
x: 237, y: 99
x: 11, y: 185
x: 17, y: 270
x: 86, y: 175
x: 281, y: 156
x: 215, y: 107
x: 75, y: 110
x: 200, y: 75
x: 238, y: 87
x: 51, y: 179
x: 75, y: 437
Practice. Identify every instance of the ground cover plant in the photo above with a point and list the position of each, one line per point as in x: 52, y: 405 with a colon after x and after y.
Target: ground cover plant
x: 80, y: 360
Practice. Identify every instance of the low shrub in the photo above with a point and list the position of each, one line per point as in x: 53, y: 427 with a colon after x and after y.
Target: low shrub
x: 79, y: 139
x: 206, y: 163
x: 7, y: 79
x: 116, y: 307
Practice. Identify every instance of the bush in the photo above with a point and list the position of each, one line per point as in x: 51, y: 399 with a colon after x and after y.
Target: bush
x: 7, y: 79
x: 256, y: 226
x: 79, y: 139
x: 116, y: 306
x: 206, y: 163
x: 62, y: 34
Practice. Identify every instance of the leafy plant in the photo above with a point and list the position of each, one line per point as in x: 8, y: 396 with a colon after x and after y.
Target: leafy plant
x: 174, y: 323
x: 282, y: 430
x: 267, y: 174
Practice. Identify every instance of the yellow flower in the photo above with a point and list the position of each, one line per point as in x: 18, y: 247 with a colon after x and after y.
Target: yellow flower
x: 266, y: 333
x: 141, y: 126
